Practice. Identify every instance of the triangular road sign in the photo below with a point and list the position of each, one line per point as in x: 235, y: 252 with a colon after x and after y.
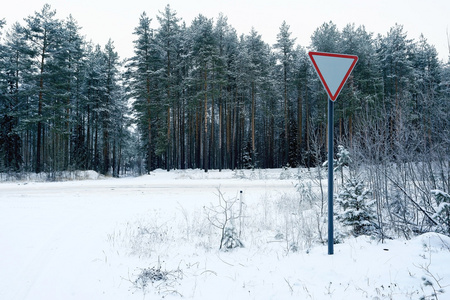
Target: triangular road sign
x: 333, y: 70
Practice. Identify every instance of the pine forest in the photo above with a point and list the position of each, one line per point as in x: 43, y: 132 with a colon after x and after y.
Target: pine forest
x: 200, y: 96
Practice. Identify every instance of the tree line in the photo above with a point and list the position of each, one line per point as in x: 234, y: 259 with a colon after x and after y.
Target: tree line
x: 202, y: 96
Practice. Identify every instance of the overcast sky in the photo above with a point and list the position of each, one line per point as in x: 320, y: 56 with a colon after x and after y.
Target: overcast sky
x: 104, y: 19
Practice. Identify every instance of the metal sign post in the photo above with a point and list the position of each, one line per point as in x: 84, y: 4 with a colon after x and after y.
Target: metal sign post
x: 330, y: 176
x: 333, y: 71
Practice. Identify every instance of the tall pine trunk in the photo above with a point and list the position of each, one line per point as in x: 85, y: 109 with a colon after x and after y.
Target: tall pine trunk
x: 299, y: 127
x: 253, y: 125
x: 205, y: 143
x: 39, y: 124
x: 286, y: 119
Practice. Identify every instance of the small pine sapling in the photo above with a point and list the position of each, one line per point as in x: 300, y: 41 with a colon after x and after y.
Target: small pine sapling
x: 442, y: 215
x: 358, y: 209
x: 230, y: 240
x: 344, y: 160
x: 223, y: 217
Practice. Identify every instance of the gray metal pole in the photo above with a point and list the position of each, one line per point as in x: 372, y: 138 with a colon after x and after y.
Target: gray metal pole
x: 330, y: 176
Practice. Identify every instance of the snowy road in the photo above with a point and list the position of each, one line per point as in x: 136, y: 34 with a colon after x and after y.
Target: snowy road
x: 53, y: 235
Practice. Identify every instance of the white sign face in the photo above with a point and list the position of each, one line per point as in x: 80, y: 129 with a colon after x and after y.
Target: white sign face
x: 333, y: 70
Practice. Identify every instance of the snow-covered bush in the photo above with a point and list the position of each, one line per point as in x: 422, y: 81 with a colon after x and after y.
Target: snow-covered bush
x: 230, y: 239
x: 224, y: 216
x: 442, y: 215
x: 150, y: 276
x: 358, y: 209
x: 164, y: 282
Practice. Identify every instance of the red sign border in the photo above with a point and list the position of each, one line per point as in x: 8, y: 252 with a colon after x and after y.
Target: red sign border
x: 355, y: 59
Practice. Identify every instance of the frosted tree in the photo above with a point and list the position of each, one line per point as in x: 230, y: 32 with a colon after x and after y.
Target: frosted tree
x: 205, y: 53
x: 168, y: 40
x: 326, y: 38
x: 70, y: 78
x: 257, y: 55
x: 442, y: 215
x: 43, y: 37
x: 395, y: 53
x: 226, y: 47
x: 343, y: 160
x: 10, y: 156
x: 285, y: 50
x: 143, y: 85
x: 358, y: 209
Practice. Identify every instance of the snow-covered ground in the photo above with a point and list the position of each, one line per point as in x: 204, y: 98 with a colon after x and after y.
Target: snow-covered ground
x: 102, y: 239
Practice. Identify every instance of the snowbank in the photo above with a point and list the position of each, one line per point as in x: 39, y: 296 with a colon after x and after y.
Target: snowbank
x: 44, y: 177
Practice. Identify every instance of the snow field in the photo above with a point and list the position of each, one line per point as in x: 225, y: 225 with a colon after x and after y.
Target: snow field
x: 92, y: 239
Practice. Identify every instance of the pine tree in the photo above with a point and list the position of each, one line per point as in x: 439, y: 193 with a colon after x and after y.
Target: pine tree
x: 395, y: 55
x: 442, y: 214
x: 357, y: 207
x: 326, y: 38
x: 343, y: 160
x: 109, y: 102
x: 272, y: 128
x: 121, y: 122
x: 204, y: 53
x: 17, y: 64
x: 71, y: 58
x: 300, y: 77
x: 285, y: 47
x: 168, y: 43
x: 43, y: 33
x: 363, y: 91
x: 226, y: 46
x: 10, y: 143
x: 257, y: 73
x: 426, y: 100
x: 143, y: 85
